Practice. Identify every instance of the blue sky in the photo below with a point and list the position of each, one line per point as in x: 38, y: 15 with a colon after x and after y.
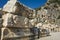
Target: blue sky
x: 29, y: 3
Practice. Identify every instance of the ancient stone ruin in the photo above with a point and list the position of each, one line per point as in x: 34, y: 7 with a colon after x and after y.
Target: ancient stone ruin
x: 14, y: 23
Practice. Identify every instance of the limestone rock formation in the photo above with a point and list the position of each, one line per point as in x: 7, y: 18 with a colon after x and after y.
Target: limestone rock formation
x: 16, y: 32
x: 49, y: 14
x: 52, y: 13
x: 7, y: 19
x: 21, y: 21
x: 10, y: 20
x: 18, y: 8
x: 16, y: 20
x: 10, y: 6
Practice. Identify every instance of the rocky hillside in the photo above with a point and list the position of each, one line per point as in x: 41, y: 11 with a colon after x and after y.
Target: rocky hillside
x: 52, y: 8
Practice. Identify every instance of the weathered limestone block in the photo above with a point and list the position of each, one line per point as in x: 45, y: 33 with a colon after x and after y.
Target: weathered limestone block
x: 33, y: 21
x: 10, y: 6
x: 15, y: 7
x: 16, y: 33
x: 21, y: 21
x: 39, y: 25
x: 8, y: 20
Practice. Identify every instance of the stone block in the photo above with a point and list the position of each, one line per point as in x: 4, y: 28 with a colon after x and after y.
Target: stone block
x: 16, y: 33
